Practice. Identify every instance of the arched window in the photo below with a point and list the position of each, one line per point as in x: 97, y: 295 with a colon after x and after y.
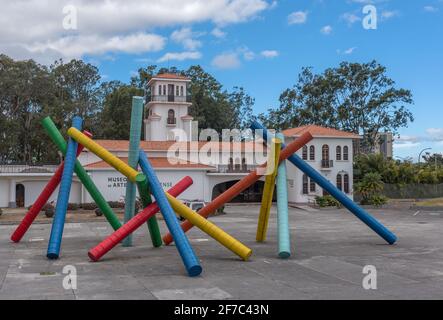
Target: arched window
x: 338, y: 153
x: 181, y: 90
x: 325, y: 152
x: 159, y: 90
x: 305, y: 184
x: 346, y: 183
x: 177, y: 93
x: 171, y: 116
x: 312, y: 185
x: 345, y: 153
x: 164, y: 90
x: 339, y: 182
x: 305, y: 153
x: 312, y: 153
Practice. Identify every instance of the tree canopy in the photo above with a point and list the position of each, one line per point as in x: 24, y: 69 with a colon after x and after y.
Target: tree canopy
x: 30, y: 91
x: 354, y: 97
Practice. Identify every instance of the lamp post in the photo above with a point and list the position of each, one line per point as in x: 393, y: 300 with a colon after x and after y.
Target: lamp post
x: 419, y: 155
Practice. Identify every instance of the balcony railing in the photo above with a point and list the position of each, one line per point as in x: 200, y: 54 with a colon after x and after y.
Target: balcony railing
x: 326, y: 164
x: 171, y: 121
x: 28, y: 168
x: 168, y: 98
x: 223, y: 168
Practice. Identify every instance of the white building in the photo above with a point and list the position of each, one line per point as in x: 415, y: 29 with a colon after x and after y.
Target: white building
x: 330, y: 152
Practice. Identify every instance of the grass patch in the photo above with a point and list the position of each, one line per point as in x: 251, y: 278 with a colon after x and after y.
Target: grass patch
x: 431, y: 202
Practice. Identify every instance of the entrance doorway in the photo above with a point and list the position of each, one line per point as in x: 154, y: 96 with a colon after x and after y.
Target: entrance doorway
x: 20, y: 195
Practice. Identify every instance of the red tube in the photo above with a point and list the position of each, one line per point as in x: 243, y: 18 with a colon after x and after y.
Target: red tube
x: 241, y: 185
x: 129, y: 227
x: 42, y: 199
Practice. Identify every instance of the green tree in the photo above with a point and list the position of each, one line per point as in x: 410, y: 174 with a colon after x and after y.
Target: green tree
x: 354, y: 97
x: 435, y: 159
x: 77, y: 88
x: 115, y: 119
x: 24, y: 96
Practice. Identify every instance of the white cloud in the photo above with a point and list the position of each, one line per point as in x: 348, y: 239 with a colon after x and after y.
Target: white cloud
x: 76, y: 46
x: 406, y: 145
x: 226, y: 61
x: 298, y: 17
x: 435, y: 134
x: 430, y: 9
x: 246, y: 53
x: 347, y: 51
x: 326, y: 30
x: 180, y: 56
x: 269, y: 53
x: 218, y: 33
x: 350, y: 18
x: 34, y: 28
x: 186, y: 37
x: 385, y: 15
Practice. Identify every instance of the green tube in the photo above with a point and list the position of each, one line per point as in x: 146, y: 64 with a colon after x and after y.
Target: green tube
x: 284, y: 244
x: 133, y: 152
x: 81, y: 173
x: 145, y: 195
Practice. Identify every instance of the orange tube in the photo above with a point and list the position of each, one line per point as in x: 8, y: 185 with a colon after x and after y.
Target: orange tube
x: 241, y: 185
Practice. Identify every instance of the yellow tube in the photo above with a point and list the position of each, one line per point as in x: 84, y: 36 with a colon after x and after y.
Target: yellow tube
x: 268, y: 191
x: 209, y: 228
x: 104, y: 154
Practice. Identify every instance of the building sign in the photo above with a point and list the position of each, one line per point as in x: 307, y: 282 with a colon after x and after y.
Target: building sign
x: 120, y: 182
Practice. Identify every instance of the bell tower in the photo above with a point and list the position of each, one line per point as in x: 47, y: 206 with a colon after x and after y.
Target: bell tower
x: 167, y: 107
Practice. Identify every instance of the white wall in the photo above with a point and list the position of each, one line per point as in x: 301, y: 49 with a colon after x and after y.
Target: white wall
x: 33, y: 187
x: 295, y: 192
x: 4, y: 192
x: 112, y: 184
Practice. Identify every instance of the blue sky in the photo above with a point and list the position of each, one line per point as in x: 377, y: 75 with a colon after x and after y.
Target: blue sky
x: 258, y: 44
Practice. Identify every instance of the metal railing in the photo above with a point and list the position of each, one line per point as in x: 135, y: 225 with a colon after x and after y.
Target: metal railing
x: 326, y: 164
x: 168, y: 98
x: 223, y: 168
x: 28, y: 168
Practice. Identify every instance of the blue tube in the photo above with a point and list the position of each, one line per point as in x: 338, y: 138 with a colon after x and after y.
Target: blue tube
x: 181, y: 241
x: 284, y: 244
x: 58, y: 222
x: 370, y: 221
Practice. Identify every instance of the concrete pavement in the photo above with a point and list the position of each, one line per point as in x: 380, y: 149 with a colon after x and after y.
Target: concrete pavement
x: 330, y: 249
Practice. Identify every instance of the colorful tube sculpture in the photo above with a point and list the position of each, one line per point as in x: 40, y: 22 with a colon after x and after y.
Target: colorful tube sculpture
x: 129, y: 227
x: 145, y: 195
x: 370, y: 221
x: 268, y: 191
x: 81, y: 173
x: 241, y: 185
x: 58, y: 222
x: 104, y: 154
x: 181, y: 241
x: 134, y: 143
x: 42, y: 199
x: 284, y: 244
x: 210, y: 229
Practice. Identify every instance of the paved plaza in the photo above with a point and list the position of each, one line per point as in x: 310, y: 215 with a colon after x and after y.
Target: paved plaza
x: 329, y: 251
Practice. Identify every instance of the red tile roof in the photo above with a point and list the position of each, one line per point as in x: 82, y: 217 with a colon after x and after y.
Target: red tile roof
x: 160, y: 162
x: 123, y: 145
x: 171, y: 76
x: 318, y: 131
